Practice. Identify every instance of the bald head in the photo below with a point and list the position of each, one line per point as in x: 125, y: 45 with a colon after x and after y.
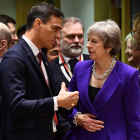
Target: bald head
x: 5, y: 38
x: 5, y: 33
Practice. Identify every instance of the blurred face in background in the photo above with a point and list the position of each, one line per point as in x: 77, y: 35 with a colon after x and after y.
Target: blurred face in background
x: 132, y: 52
x: 13, y: 33
x: 72, y: 40
x: 53, y: 53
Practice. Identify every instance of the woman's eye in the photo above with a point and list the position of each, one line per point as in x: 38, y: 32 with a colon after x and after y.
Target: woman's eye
x: 94, y: 41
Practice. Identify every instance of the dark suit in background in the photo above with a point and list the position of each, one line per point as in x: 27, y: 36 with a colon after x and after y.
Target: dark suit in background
x: 59, y: 77
x: 5, y: 41
x: 72, y: 45
x: 58, y: 74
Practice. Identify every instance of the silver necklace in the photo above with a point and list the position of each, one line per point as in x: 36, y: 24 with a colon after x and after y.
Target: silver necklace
x: 106, y: 73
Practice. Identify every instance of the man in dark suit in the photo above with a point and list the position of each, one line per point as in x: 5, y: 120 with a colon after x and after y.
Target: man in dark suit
x: 10, y: 23
x: 5, y: 40
x: 30, y: 102
x: 71, y: 45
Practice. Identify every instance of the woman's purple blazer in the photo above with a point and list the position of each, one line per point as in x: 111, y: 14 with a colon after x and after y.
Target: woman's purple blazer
x: 117, y: 103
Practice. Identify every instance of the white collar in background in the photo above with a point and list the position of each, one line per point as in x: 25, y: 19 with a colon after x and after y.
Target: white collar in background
x: 66, y: 59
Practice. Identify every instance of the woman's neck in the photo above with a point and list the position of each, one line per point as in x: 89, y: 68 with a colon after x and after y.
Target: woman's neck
x: 103, y: 65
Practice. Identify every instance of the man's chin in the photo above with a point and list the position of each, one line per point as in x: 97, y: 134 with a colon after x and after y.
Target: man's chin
x: 76, y: 54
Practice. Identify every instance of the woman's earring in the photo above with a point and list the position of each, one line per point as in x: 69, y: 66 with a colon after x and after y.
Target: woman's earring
x: 107, y: 51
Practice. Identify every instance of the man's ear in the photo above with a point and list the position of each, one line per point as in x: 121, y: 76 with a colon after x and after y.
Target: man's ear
x: 3, y: 44
x: 37, y: 23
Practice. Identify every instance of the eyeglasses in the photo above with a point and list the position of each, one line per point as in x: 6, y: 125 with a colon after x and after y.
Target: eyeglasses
x: 133, y: 32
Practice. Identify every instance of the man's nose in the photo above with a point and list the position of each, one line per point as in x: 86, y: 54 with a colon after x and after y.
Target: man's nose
x: 76, y: 39
x: 57, y: 35
x: 15, y: 37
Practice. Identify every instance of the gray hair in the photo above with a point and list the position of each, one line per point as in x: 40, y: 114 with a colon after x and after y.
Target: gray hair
x: 132, y: 39
x: 72, y: 20
x: 5, y: 33
x: 109, y: 32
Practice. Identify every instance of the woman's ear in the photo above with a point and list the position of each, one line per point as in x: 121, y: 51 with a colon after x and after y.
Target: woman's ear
x: 109, y: 49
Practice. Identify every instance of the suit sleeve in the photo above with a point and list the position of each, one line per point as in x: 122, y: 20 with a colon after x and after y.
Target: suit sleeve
x: 132, y: 107
x: 14, y: 80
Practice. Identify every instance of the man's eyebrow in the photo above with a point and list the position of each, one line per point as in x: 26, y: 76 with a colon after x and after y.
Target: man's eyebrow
x: 75, y: 34
x: 57, y: 26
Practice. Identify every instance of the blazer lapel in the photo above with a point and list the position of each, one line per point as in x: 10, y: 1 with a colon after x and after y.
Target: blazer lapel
x: 107, y: 90
x: 83, y: 90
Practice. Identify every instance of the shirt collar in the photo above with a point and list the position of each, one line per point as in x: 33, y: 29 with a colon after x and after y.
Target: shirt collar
x: 33, y: 47
x: 66, y: 59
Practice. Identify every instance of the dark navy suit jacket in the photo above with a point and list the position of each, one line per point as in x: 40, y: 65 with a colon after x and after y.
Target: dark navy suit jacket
x: 117, y: 103
x: 28, y: 105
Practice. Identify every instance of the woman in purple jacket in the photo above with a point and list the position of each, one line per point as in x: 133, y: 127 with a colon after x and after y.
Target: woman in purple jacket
x: 108, y: 90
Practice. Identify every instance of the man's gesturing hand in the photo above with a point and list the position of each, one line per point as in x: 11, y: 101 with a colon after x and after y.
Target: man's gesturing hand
x: 67, y: 99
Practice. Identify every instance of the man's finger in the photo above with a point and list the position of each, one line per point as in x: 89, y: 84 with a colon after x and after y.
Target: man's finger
x: 63, y: 85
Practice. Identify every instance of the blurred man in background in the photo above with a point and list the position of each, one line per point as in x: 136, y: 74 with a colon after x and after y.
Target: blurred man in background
x: 71, y: 44
x: 10, y: 22
x: 5, y: 40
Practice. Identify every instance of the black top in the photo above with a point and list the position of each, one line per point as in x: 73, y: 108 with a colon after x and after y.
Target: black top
x: 92, y: 92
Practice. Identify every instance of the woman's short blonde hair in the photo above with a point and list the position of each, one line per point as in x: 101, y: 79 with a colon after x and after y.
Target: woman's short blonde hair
x: 109, y: 32
x: 133, y: 41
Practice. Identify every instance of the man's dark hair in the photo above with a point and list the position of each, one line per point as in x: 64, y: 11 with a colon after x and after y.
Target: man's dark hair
x: 6, y: 19
x: 21, y: 30
x: 43, y: 11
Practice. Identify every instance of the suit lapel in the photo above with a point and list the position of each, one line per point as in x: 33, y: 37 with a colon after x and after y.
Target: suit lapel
x: 107, y: 90
x: 30, y: 54
x: 83, y: 89
x: 57, y: 66
x: 49, y: 73
x: 86, y: 57
x: 32, y: 57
